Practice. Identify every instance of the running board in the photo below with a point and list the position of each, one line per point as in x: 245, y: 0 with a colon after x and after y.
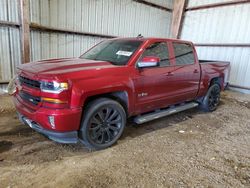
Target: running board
x: 166, y: 112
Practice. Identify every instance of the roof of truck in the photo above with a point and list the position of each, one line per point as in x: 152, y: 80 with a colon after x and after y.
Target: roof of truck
x: 150, y: 38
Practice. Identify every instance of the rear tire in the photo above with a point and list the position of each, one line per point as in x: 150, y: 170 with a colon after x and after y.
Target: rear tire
x: 102, y: 124
x: 212, y: 98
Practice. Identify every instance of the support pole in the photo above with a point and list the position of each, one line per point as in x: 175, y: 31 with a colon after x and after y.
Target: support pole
x: 178, y: 12
x: 25, y: 30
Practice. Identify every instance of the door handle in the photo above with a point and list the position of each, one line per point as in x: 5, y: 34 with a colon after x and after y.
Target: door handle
x: 196, y: 71
x: 169, y: 74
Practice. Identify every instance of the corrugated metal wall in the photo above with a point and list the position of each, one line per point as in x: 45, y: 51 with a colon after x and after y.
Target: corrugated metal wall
x: 192, y: 3
x: 110, y: 17
x: 228, y: 24
x: 164, y: 3
x: 9, y: 10
x: 239, y: 58
x: 10, y: 55
x: 46, y: 45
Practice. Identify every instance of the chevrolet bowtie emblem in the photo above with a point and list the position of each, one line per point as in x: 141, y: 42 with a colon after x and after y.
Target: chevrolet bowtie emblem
x: 142, y: 94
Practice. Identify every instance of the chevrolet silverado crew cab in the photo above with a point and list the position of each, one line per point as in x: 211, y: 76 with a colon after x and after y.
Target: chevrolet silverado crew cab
x: 89, y: 99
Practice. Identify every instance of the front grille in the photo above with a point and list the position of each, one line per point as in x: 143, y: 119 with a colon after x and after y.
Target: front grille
x: 28, y: 82
x: 29, y: 98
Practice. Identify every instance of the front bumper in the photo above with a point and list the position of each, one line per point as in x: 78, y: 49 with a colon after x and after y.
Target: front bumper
x: 67, y: 121
x: 70, y: 137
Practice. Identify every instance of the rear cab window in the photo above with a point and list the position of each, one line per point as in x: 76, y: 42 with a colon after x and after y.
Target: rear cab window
x: 184, y: 54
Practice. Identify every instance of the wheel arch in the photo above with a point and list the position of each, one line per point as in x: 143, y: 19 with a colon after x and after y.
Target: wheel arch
x: 120, y: 96
x: 216, y: 80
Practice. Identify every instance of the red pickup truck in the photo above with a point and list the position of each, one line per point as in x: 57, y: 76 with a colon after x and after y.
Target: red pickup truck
x: 89, y: 98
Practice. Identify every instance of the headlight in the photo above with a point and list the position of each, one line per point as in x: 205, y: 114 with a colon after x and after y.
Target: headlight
x: 53, y: 87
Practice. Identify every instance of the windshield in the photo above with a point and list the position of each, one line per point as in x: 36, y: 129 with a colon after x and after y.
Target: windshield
x: 117, y: 52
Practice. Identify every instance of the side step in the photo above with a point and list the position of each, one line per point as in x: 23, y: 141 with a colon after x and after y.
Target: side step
x: 166, y: 112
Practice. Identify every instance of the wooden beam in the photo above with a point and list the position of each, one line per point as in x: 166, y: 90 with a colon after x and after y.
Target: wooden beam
x: 25, y: 30
x: 38, y: 27
x: 153, y: 5
x: 4, y: 81
x: 246, y: 45
x: 9, y: 24
x: 177, y: 18
x: 214, y: 5
x: 239, y: 87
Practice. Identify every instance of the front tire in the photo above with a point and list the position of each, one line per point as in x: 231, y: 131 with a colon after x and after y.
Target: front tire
x: 212, y: 98
x: 102, y: 124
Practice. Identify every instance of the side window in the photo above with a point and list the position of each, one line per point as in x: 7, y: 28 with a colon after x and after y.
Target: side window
x: 160, y: 50
x: 183, y: 54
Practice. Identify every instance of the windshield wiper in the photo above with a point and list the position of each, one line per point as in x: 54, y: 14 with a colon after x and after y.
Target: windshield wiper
x: 112, y: 62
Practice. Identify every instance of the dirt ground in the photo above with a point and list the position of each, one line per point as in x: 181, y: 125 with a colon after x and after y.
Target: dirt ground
x: 189, y: 149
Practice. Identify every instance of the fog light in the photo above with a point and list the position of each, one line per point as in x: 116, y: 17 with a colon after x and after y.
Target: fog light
x: 52, y: 122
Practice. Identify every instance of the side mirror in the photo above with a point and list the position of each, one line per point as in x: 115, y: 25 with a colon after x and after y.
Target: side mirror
x: 149, y: 61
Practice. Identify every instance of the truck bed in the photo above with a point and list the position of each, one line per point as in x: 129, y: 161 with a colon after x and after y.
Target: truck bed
x: 212, y: 61
x: 212, y: 68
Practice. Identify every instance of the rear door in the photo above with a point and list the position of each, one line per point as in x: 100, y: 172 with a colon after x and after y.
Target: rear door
x: 186, y: 72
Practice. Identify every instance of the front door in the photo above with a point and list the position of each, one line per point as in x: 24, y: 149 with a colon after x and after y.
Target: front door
x: 154, y: 86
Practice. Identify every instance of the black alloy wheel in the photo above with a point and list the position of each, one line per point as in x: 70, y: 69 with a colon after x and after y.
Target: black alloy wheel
x: 212, y: 98
x: 103, y: 123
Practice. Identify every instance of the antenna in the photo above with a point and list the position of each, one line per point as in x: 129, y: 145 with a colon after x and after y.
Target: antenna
x: 139, y: 36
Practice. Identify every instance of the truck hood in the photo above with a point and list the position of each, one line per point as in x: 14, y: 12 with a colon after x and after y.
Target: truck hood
x: 63, y: 66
